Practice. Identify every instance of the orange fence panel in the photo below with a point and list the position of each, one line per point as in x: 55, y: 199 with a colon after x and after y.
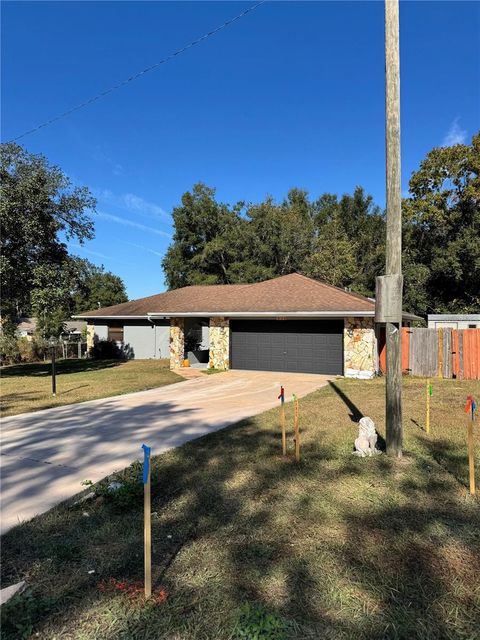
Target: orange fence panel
x: 471, y: 354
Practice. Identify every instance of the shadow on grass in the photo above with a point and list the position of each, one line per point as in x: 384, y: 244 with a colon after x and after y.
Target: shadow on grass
x: 40, y: 369
x: 318, y: 543
x: 355, y: 413
x: 449, y: 455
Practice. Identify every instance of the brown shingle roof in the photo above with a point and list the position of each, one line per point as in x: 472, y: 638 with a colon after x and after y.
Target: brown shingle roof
x: 291, y: 293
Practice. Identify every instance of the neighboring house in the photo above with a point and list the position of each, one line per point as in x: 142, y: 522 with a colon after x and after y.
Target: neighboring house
x: 26, y: 328
x: 454, y: 321
x: 290, y: 323
x: 74, y: 329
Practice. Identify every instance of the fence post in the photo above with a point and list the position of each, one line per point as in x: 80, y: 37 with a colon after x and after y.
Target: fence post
x: 440, y: 353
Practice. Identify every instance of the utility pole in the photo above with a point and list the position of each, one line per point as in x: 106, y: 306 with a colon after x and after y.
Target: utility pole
x: 389, y: 287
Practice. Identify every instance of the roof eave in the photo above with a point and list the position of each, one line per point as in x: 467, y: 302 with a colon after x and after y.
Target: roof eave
x: 411, y: 316
x: 262, y: 314
x: 112, y: 317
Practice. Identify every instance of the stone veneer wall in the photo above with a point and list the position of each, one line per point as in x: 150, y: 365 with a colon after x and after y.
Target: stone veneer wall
x: 219, y: 338
x: 359, y: 346
x: 177, y: 342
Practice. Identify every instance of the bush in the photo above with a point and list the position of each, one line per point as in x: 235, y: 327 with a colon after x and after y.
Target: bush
x: 41, y: 348
x: 105, y: 350
x: 26, y: 350
x: 9, y: 351
x: 254, y: 621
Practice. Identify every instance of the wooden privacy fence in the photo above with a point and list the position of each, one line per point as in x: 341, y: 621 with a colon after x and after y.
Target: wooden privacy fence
x: 443, y: 353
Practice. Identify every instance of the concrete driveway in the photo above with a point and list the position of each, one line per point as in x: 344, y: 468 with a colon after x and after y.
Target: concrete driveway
x: 47, y: 454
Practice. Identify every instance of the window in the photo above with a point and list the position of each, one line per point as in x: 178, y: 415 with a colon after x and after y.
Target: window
x: 115, y: 331
x: 472, y: 326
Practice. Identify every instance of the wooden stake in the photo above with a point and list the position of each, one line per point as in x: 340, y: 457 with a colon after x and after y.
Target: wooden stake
x: 147, y: 524
x: 296, y: 430
x: 281, y: 397
x: 427, y: 420
x: 471, y: 461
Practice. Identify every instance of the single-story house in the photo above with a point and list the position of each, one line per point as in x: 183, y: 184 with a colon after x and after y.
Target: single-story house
x: 289, y: 323
x: 453, y: 321
x: 26, y: 328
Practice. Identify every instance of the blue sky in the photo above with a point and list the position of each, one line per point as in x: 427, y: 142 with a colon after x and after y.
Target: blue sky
x: 291, y: 95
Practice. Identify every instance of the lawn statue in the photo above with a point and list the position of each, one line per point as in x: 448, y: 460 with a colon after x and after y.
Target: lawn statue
x: 367, y: 438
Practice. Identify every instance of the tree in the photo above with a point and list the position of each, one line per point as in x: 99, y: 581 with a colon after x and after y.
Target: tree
x: 51, y: 297
x: 202, y: 249
x: 39, y: 207
x: 325, y: 239
x: 95, y: 287
x: 364, y: 224
x: 442, y: 231
x: 333, y: 257
x: 349, y: 248
x: 281, y: 235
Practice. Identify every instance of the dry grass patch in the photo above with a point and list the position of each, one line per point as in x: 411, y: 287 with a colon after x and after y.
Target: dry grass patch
x: 28, y: 387
x: 336, y: 547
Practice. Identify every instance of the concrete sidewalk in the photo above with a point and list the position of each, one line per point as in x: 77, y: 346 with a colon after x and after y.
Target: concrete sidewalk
x: 47, y: 454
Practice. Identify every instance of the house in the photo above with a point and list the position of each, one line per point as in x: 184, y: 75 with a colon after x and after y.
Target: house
x: 26, y: 328
x: 289, y: 323
x: 454, y: 321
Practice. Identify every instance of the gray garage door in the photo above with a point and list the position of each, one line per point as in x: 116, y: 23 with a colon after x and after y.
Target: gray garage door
x: 308, y: 346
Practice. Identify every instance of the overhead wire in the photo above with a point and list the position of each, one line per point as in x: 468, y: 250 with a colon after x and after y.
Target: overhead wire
x: 137, y: 75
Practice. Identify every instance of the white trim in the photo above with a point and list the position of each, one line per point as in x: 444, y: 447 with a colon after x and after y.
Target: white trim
x: 111, y: 317
x: 265, y: 314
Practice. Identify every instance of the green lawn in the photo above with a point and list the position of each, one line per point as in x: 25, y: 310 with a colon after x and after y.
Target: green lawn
x: 336, y: 547
x: 28, y: 387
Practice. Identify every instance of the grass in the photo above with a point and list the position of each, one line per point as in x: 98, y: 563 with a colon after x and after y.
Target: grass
x: 209, y: 372
x: 28, y: 387
x: 247, y: 544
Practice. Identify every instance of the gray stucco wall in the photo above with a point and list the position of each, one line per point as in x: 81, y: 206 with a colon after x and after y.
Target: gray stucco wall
x: 101, y: 331
x: 141, y: 338
x: 144, y: 340
x: 162, y: 339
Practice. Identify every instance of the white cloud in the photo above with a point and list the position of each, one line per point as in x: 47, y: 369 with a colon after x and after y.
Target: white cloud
x: 138, y: 204
x: 92, y: 253
x: 131, y: 223
x: 455, y: 135
x: 131, y: 202
x: 140, y: 246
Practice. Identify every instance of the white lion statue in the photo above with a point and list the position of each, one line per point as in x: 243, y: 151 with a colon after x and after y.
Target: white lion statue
x: 367, y: 438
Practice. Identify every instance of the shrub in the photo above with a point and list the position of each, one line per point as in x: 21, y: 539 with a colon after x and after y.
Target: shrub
x: 9, y: 351
x: 105, y: 350
x: 20, y: 613
x: 26, y: 350
x: 254, y: 621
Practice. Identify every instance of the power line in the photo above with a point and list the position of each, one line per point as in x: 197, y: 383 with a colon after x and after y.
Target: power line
x: 152, y: 67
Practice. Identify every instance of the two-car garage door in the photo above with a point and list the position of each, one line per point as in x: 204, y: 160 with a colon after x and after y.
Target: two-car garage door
x: 308, y: 346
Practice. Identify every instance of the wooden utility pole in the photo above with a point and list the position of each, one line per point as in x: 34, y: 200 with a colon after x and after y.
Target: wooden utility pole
x: 393, y: 278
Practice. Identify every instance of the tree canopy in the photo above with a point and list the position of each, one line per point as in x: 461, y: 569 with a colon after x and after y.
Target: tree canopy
x: 38, y: 206
x: 327, y: 239
x: 94, y: 287
x: 341, y: 240
x: 39, y: 211
x: 442, y: 231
